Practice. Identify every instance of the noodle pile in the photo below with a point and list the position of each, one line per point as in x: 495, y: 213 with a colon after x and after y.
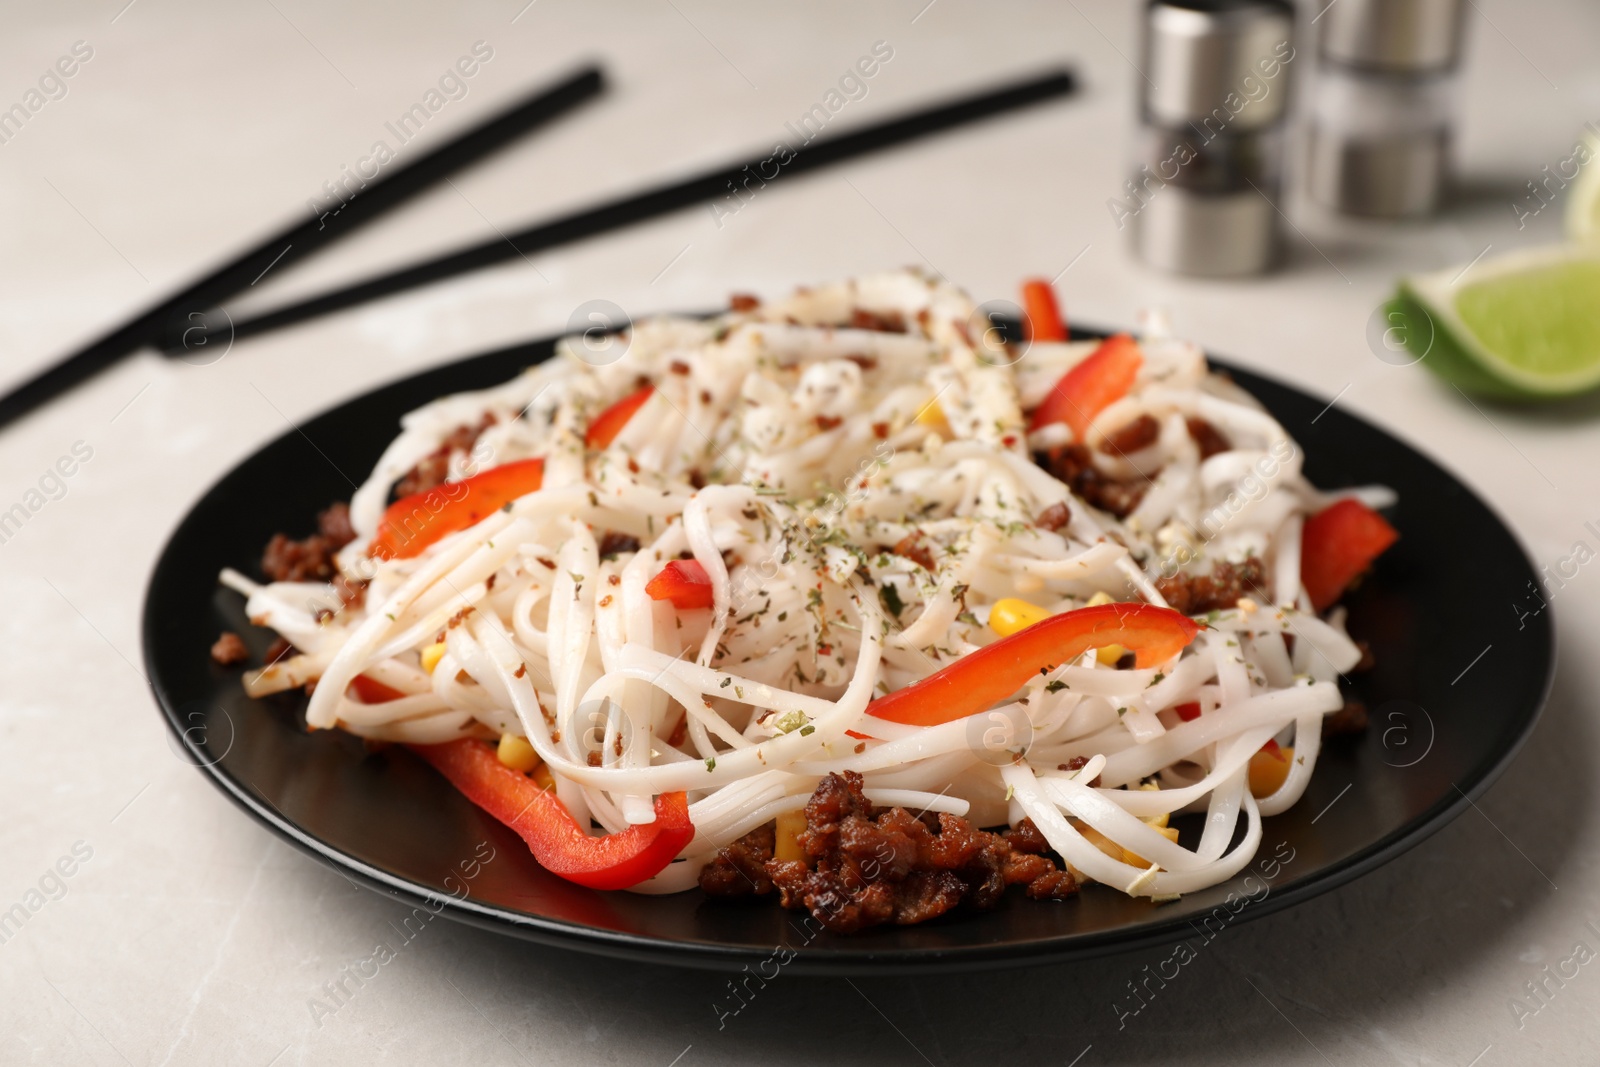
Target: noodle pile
x: 817, y: 445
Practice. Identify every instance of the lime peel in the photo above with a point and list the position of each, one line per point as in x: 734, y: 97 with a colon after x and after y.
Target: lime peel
x: 1521, y: 326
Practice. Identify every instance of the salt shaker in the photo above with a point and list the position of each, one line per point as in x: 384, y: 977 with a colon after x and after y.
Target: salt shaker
x: 1380, y: 137
x: 1209, y: 166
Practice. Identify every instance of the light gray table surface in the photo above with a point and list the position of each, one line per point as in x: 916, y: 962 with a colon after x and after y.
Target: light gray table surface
x: 188, y: 934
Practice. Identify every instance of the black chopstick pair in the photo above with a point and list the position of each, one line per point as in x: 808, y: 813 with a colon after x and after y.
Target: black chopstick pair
x: 180, y: 324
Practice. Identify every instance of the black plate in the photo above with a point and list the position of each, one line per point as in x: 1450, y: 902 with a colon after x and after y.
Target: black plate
x: 1458, y: 685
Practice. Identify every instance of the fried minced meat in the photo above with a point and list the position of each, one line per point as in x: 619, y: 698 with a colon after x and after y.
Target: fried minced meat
x: 1196, y: 594
x: 1133, y: 436
x: 229, y: 649
x: 1054, y: 517
x: 881, y: 321
x: 740, y: 870
x: 433, y: 470
x: 1074, y: 465
x: 1207, y: 437
x: 918, y: 549
x: 614, y: 544
x: 865, y: 867
x: 310, y: 559
x: 1347, y: 721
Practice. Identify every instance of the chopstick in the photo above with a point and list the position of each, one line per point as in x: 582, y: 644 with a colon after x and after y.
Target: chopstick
x: 171, y: 323
x: 705, y: 187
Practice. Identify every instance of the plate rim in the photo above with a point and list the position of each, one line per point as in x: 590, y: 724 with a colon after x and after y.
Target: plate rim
x: 705, y: 955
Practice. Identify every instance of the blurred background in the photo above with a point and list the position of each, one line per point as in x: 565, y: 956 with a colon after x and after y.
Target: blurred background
x: 188, y: 131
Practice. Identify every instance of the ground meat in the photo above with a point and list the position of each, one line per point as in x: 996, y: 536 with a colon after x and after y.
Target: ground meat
x: 865, y: 868
x: 1367, y: 660
x: 1196, y: 594
x: 915, y: 547
x: 740, y: 870
x: 1078, y: 763
x: 743, y: 302
x: 352, y: 592
x: 229, y: 649
x: 1207, y: 437
x: 311, y: 559
x: 1054, y: 517
x: 1025, y: 836
x: 614, y: 544
x: 1347, y: 721
x: 882, y: 321
x: 279, y: 649
x: 434, y: 468
x: 1131, y: 437
x: 1074, y: 465
x: 333, y: 522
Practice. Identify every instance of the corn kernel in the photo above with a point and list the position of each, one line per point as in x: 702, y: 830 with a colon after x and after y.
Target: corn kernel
x: 1268, y: 770
x: 1101, y: 842
x: 431, y: 656
x: 1010, y: 615
x: 516, y: 753
x: 1109, y: 654
x: 1158, y: 821
x: 932, y: 416
x: 787, y: 845
x: 1130, y: 857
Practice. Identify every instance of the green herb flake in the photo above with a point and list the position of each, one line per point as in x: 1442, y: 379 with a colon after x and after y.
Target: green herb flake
x: 792, y: 721
x: 1054, y: 686
x: 711, y: 764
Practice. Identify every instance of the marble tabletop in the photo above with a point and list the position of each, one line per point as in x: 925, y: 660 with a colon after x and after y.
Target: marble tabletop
x: 164, y: 927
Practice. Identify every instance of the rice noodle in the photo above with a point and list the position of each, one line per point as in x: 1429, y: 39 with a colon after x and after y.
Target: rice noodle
x: 817, y: 447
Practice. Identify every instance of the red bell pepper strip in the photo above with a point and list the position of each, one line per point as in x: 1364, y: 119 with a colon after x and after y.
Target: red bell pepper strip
x: 414, y: 522
x: 606, y: 425
x: 684, y: 582
x: 1092, y: 386
x: 1042, y: 319
x: 1336, y: 545
x: 1188, y: 712
x: 615, y: 861
x: 372, y: 691
x: 992, y: 673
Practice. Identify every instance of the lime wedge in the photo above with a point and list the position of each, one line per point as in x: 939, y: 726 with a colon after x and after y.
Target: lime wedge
x: 1523, y: 326
x: 1583, y: 201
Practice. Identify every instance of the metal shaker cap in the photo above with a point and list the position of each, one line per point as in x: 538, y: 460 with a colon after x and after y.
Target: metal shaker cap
x: 1217, y: 59
x: 1400, y: 36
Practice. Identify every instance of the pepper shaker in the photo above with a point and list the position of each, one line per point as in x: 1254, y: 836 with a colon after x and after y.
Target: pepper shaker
x: 1209, y: 166
x: 1381, y: 137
